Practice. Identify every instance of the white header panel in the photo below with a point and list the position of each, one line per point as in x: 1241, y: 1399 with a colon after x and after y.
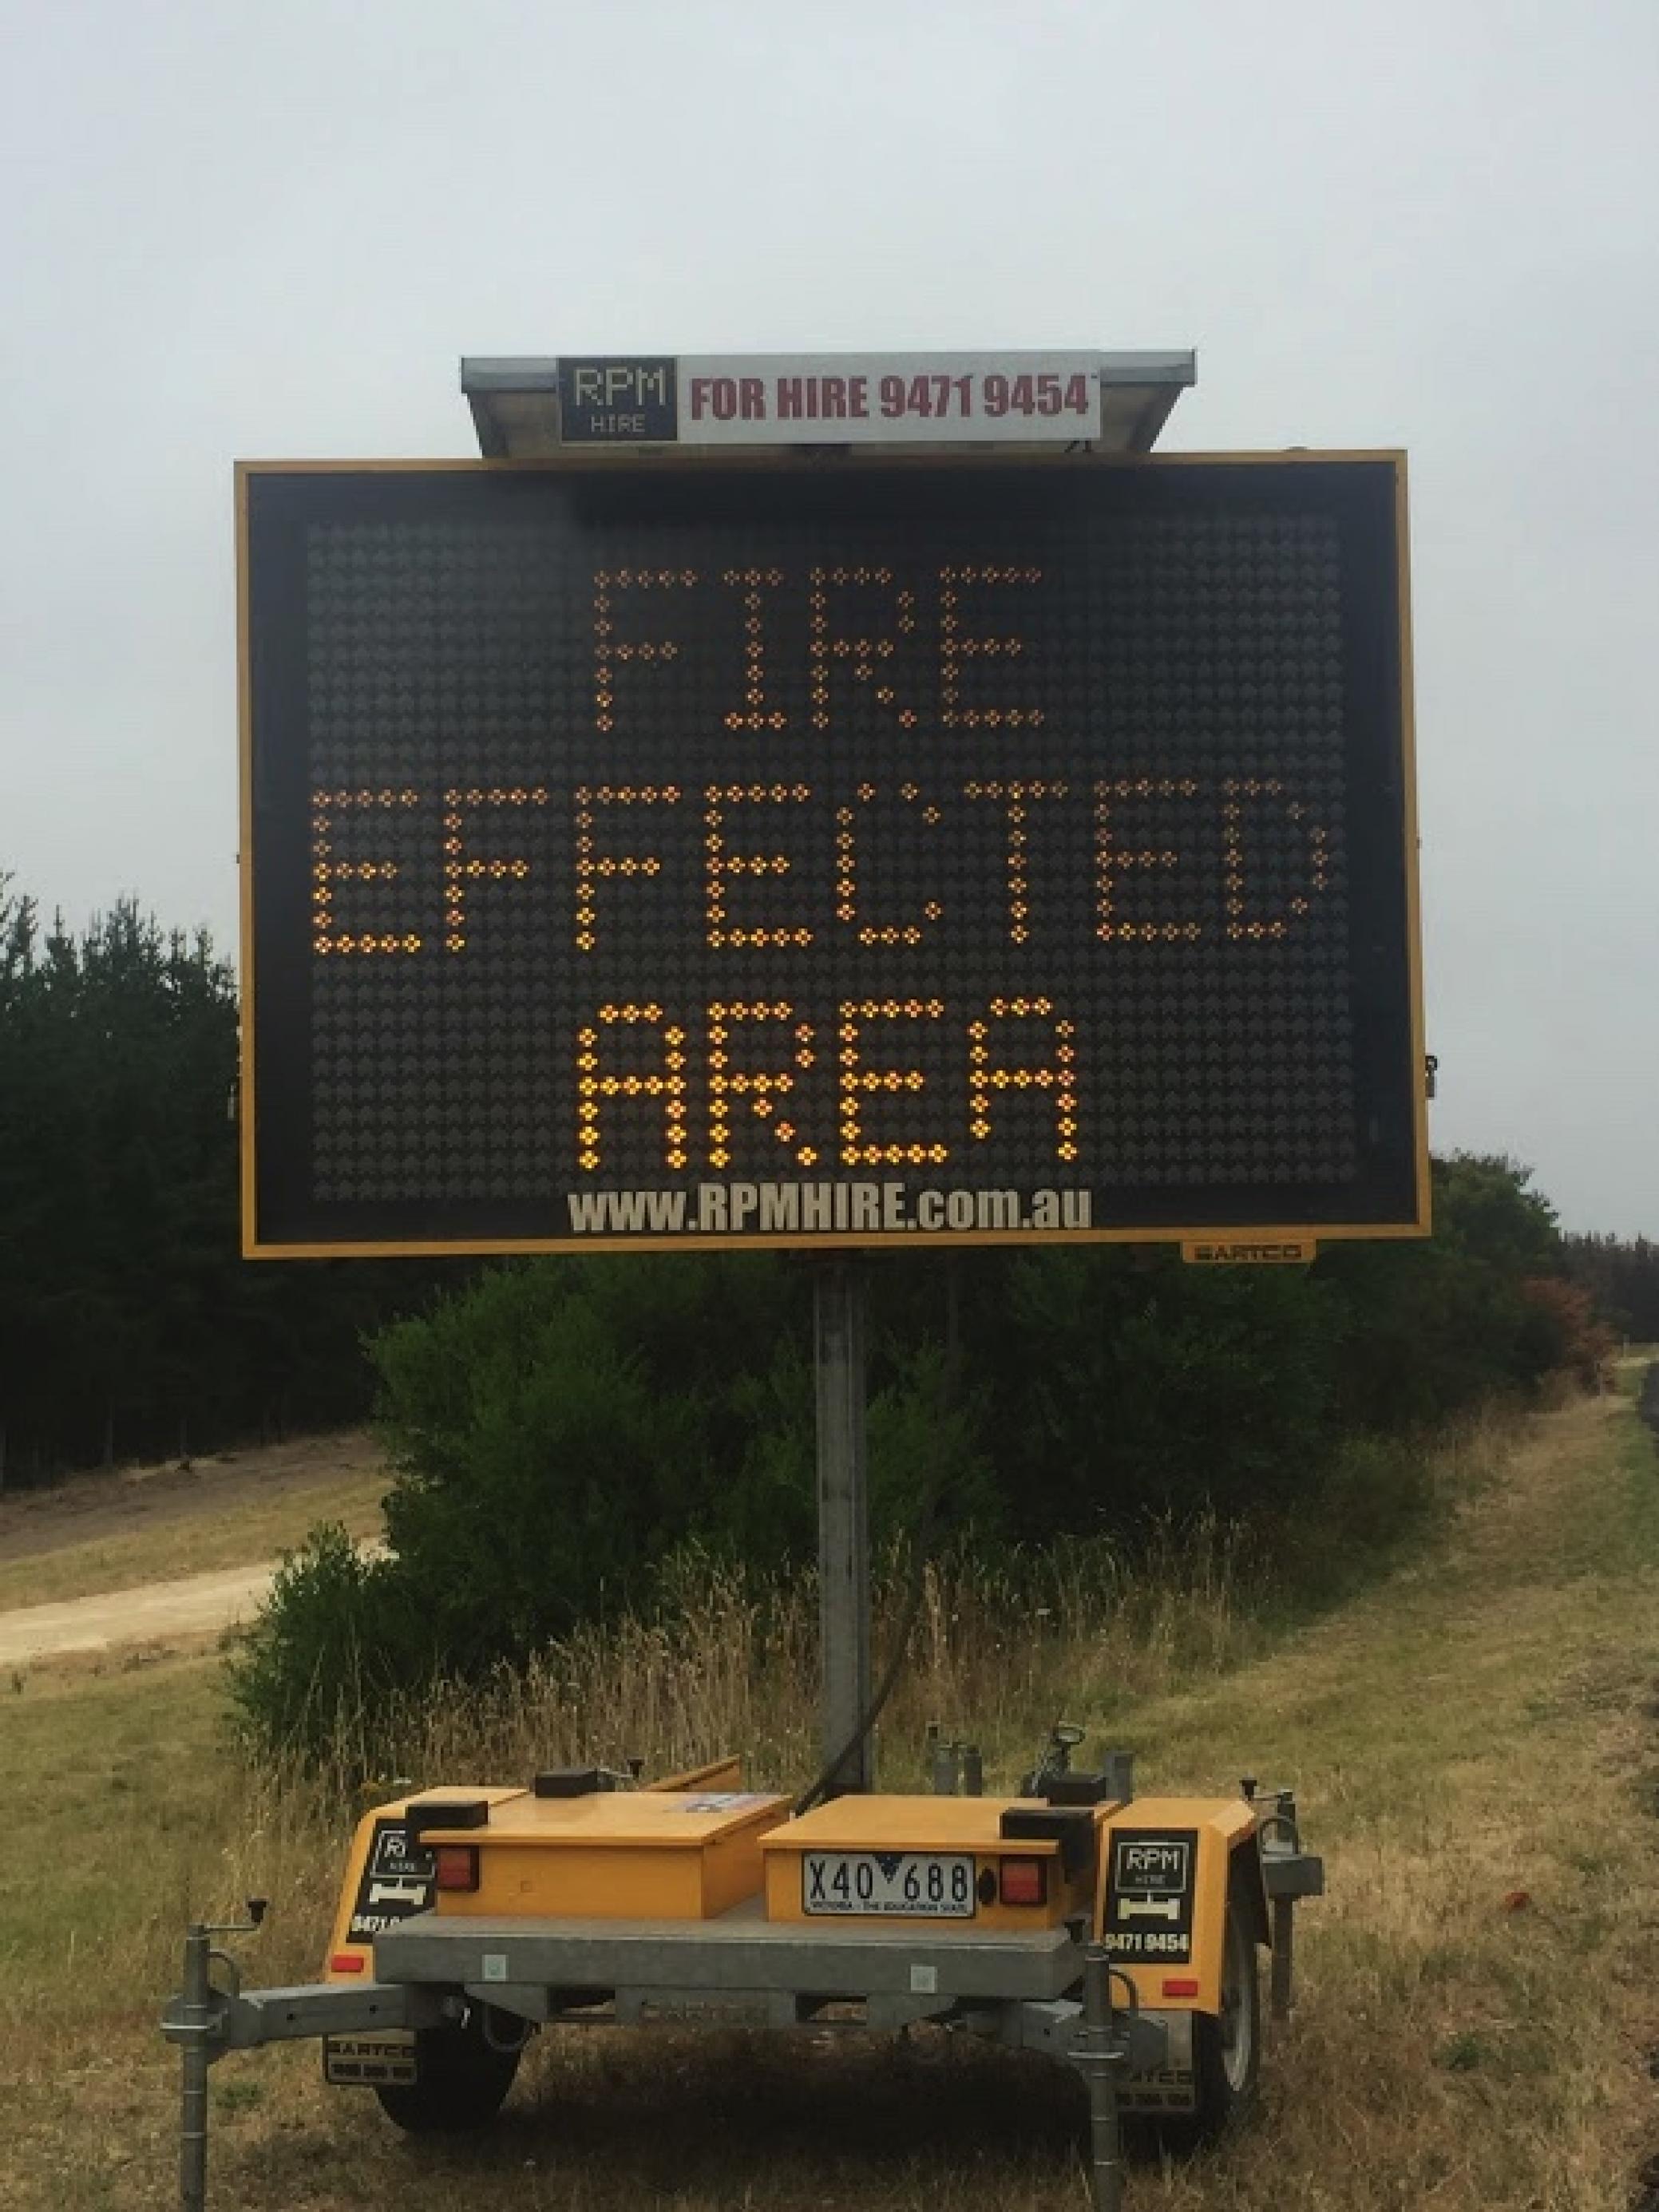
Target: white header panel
x: 641, y: 404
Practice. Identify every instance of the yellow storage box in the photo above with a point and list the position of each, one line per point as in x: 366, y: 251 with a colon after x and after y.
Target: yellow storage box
x: 610, y: 1854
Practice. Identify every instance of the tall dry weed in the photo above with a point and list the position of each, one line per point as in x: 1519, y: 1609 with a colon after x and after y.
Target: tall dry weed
x: 726, y: 1662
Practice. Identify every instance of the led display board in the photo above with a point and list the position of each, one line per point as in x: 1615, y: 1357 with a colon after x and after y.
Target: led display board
x: 817, y: 855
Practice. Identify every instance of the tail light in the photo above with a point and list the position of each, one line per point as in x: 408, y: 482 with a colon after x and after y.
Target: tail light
x: 457, y: 1866
x: 346, y: 1962
x: 1024, y: 1881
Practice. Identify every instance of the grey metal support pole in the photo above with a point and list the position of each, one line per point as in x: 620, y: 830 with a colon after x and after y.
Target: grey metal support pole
x: 194, y: 2011
x: 838, y: 1331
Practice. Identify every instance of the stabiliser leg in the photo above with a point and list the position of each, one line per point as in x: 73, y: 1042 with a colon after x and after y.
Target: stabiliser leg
x: 197, y: 2022
x: 1100, y: 2055
x: 1289, y: 1874
x: 1283, y: 1955
x: 193, y: 2032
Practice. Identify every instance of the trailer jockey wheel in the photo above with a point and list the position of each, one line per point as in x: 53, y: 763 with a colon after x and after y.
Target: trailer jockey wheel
x: 463, y: 2077
x: 1226, y: 2046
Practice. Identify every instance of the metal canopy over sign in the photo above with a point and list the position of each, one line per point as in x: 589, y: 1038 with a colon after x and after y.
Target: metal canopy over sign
x: 767, y: 855
x: 625, y: 404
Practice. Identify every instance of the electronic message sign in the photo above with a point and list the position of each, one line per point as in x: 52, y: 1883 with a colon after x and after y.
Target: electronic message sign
x: 836, y: 854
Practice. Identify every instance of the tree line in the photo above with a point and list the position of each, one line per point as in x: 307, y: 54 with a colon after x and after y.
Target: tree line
x: 130, y: 1326
x: 1622, y: 1277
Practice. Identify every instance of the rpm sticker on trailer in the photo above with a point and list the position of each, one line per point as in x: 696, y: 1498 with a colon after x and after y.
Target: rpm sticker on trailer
x: 396, y: 1882
x: 1149, y: 1903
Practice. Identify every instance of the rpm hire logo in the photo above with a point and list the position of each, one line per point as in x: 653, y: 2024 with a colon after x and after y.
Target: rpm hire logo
x: 396, y: 1882
x: 610, y: 402
x: 1150, y: 1909
x: 1162, y: 1864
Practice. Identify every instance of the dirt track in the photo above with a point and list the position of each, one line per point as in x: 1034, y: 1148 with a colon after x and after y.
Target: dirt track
x: 174, y: 1551
x: 197, y: 1605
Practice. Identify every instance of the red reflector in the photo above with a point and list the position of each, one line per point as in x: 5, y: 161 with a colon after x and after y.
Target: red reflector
x: 1180, y: 1986
x: 1024, y: 1882
x: 347, y: 1962
x: 458, y: 1866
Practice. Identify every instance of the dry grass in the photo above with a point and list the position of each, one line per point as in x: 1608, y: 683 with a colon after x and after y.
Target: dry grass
x: 1482, y: 1725
x: 994, y: 1654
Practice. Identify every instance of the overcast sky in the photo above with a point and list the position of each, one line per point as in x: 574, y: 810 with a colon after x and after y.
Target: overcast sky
x: 272, y: 230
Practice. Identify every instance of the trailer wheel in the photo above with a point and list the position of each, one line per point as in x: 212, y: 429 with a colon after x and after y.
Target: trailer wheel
x: 463, y: 2076
x: 1227, y: 2045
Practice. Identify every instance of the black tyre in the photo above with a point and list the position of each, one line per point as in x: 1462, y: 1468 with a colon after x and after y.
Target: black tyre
x: 463, y: 2076
x: 1226, y: 2046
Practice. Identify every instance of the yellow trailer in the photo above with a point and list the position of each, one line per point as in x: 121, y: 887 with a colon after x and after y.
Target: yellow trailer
x: 1117, y: 1934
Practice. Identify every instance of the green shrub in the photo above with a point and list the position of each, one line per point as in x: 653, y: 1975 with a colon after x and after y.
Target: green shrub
x: 333, y: 1641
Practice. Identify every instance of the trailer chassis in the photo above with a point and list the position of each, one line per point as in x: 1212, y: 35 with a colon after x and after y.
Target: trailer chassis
x: 576, y: 1974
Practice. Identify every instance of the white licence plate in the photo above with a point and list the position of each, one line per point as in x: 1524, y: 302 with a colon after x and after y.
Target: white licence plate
x: 922, y: 1885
